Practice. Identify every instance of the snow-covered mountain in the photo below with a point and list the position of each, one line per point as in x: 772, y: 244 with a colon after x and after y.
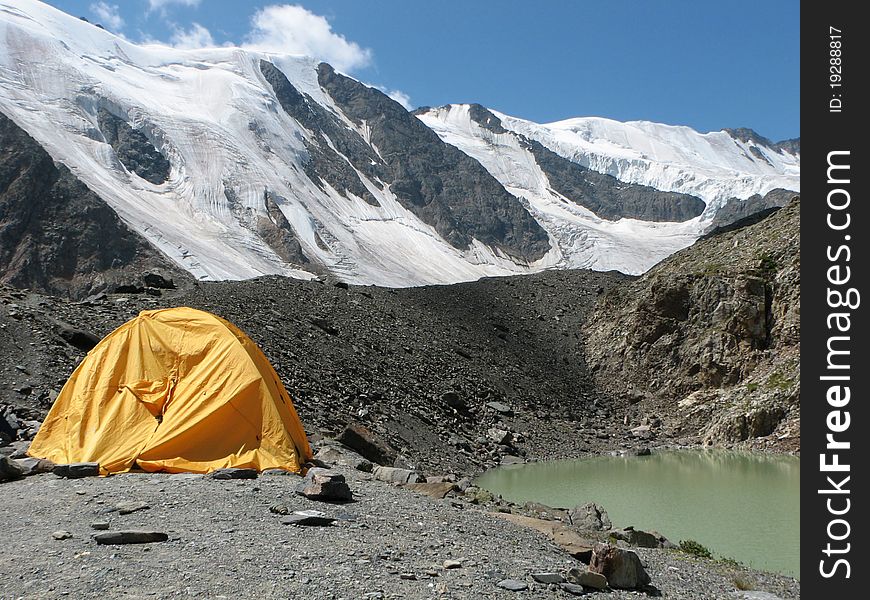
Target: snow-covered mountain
x: 236, y: 163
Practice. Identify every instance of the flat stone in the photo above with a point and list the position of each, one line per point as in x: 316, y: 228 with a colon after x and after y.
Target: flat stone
x: 396, y: 475
x: 185, y: 476
x: 548, y: 577
x: 510, y: 459
x: 513, y: 585
x: 501, y: 408
x: 100, y: 525
x: 308, y: 518
x: 77, y: 470
x: 130, y: 506
x: 130, y: 537
x: 587, y: 578
x: 451, y: 564
x: 573, y: 589
x: 433, y: 490
x: 61, y: 535
x: 34, y: 466
x: 277, y: 472
x: 234, y: 473
x: 753, y: 595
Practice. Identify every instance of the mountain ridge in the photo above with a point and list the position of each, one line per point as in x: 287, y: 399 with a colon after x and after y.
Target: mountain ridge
x: 197, y: 154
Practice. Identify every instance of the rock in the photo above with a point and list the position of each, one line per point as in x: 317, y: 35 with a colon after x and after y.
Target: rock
x: 340, y: 456
x: 185, y: 476
x: 19, y: 449
x: 279, y: 509
x: 643, y: 432
x: 158, y: 280
x: 130, y: 506
x: 513, y: 585
x: 451, y: 564
x: 308, y: 518
x: 433, y: 490
x: 622, y: 568
x: 642, y: 539
x: 500, y: 408
x: 590, y: 517
x: 277, y: 473
x: 34, y: 466
x: 9, y: 469
x: 454, y: 400
x: 233, y: 473
x: 394, y: 475
x: 477, y: 495
x: 586, y: 578
x: 367, y: 444
x: 573, y: 589
x: 77, y: 470
x: 546, y: 513
x: 463, y: 484
x: 643, y: 452
x: 511, y: 460
x: 440, y: 478
x: 754, y: 595
x: 130, y: 537
x: 78, y: 338
x: 100, y: 525
x: 61, y: 535
x: 499, y: 436
x: 548, y: 577
x: 322, y: 484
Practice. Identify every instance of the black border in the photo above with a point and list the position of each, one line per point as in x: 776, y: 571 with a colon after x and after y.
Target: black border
x: 824, y: 131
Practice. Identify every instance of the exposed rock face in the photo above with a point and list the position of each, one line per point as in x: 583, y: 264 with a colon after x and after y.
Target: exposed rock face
x: 603, y: 194
x: 740, y: 213
x: 444, y: 187
x: 744, y: 134
x: 590, y: 516
x: 56, y: 235
x: 709, y: 337
x: 133, y: 148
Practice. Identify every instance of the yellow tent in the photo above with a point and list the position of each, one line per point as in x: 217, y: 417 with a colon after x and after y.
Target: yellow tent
x: 174, y: 390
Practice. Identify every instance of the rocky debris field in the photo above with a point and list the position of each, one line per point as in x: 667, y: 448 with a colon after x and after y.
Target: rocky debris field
x: 231, y: 538
x: 452, y: 378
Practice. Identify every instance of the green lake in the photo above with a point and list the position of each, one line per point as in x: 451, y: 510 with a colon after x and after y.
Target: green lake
x: 739, y: 505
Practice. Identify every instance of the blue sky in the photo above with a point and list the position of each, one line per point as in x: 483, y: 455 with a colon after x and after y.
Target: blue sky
x: 708, y: 65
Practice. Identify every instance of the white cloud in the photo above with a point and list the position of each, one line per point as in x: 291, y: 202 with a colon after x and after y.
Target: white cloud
x: 400, y: 97
x: 161, y: 4
x: 292, y: 29
x: 108, y: 15
x: 195, y: 37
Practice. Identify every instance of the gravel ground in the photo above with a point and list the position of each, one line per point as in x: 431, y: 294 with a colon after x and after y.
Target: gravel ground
x: 225, y: 543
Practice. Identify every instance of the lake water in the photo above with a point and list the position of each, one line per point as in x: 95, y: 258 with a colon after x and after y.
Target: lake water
x: 739, y: 505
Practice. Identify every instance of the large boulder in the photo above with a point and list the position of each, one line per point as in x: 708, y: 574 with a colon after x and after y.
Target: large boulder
x: 9, y: 469
x: 367, y: 444
x: 622, y: 568
x: 590, y: 517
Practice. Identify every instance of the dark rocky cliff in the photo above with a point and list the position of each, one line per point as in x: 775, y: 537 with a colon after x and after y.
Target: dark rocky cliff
x: 708, y: 340
x: 56, y: 235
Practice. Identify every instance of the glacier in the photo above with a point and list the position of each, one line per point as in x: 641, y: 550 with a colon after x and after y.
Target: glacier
x: 210, y: 112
